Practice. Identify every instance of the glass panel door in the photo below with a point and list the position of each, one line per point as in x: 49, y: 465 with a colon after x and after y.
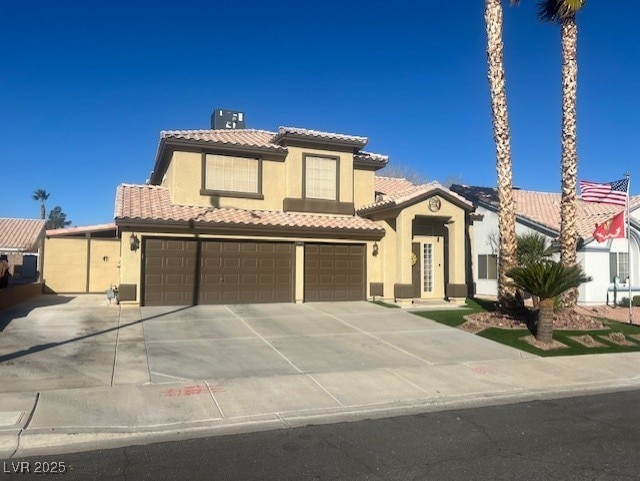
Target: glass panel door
x: 427, y: 267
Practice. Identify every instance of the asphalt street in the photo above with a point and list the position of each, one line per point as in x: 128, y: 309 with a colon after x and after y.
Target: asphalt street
x: 583, y: 438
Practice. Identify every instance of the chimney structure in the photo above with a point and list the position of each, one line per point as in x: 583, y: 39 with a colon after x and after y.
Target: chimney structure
x: 227, y: 119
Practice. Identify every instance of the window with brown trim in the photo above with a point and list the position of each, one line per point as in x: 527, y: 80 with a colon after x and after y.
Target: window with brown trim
x: 225, y: 173
x: 321, y: 177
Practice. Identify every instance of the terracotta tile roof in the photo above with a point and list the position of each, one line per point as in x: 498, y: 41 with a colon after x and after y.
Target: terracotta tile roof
x: 264, y: 138
x: 394, y: 191
x: 153, y: 203
x: 236, y: 137
x: 316, y: 134
x: 81, y: 229
x: 20, y: 234
x: 543, y: 208
x: 391, y: 186
x: 261, y: 141
x: 363, y: 156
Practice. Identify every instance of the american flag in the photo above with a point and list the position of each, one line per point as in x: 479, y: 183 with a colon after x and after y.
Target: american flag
x: 609, y: 193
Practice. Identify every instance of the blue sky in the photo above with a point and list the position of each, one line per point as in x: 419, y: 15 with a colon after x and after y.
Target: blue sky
x: 86, y: 89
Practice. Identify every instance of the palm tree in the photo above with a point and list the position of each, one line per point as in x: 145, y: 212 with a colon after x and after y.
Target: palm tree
x: 41, y: 195
x: 547, y: 280
x: 533, y: 247
x: 564, y: 13
x: 501, y: 135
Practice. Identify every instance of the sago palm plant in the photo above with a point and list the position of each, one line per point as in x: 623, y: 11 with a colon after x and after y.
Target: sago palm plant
x: 547, y: 280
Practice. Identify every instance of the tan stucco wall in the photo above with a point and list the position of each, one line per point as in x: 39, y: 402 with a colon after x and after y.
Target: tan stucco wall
x: 67, y: 268
x: 184, y: 180
x: 130, y: 262
x: 65, y: 265
x: 363, y: 187
x: 104, y: 270
x: 168, y: 177
x: 294, y: 173
x: 396, y: 246
x: 280, y: 179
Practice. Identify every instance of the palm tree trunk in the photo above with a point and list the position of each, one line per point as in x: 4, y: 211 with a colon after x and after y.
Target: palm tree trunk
x: 568, y: 233
x: 43, y: 210
x: 506, y: 209
x: 544, y: 330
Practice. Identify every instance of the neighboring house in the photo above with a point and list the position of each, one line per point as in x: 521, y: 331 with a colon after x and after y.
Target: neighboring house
x: 81, y: 259
x: 20, y: 240
x: 243, y: 216
x: 540, y: 212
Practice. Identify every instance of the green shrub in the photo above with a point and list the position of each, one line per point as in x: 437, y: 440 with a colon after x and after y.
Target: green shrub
x: 624, y: 302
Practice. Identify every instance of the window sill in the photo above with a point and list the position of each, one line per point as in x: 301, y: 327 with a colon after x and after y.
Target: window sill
x: 227, y: 193
x: 318, y: 206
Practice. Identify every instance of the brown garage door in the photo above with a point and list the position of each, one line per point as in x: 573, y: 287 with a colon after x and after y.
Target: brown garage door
x: 246, y: 272
x: 169, y: 275
x: 334, y: 272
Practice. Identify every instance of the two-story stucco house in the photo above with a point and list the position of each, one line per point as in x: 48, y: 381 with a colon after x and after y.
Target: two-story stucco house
x: 296, y: 215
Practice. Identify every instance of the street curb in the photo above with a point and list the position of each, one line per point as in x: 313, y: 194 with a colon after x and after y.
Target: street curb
x: 69, y: 440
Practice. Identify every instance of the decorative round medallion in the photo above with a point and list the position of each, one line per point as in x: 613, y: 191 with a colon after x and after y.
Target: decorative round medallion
x: 414, y: 258
x: 434, y: 204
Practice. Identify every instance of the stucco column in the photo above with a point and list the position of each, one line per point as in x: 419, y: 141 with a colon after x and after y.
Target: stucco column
x: 456, y: 285
x: 403, y: 287
x: 299, y: 288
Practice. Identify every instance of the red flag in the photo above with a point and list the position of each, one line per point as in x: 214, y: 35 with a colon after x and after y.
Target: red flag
x: 611, y: 229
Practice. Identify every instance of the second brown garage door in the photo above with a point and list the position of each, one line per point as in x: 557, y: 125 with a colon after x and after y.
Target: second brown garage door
x: 246, y: 272
x: 334, y: 272
x: 228, y: 272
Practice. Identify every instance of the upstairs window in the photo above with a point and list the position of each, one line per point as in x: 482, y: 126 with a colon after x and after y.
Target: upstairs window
x: 232, y: 174
x: 321, y: 177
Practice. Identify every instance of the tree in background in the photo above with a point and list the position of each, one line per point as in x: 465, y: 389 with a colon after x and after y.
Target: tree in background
x: 57, y: 219
x: 533, y: 247
x: 502, y: 137
x: 564, y: 13
x: 402, y: 171
x: 41, y: 195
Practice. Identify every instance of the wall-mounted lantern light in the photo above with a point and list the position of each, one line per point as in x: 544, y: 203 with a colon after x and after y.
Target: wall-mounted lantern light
x: 374, y: 249
x: 134, y: 242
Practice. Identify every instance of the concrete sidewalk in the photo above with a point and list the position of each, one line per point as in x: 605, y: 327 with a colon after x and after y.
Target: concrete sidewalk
x: 71, y: 420
x: 112, y: 377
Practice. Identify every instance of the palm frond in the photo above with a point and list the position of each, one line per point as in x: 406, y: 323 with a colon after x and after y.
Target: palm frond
x: 40, y: 194
x: 532, y: 247
x: 547, y: 279
x: 558, y: 10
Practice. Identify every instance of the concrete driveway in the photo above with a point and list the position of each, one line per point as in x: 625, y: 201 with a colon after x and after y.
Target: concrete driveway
x: 226, y: 342
x: 57, y: 342
x: 61, y: 342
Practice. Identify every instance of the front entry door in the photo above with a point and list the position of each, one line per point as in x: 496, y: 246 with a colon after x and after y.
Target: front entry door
x: 431, y: 261
x: 416, y: 269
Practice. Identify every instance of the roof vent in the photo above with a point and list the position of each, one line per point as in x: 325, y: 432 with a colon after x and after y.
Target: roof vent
x: 227, y: 119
